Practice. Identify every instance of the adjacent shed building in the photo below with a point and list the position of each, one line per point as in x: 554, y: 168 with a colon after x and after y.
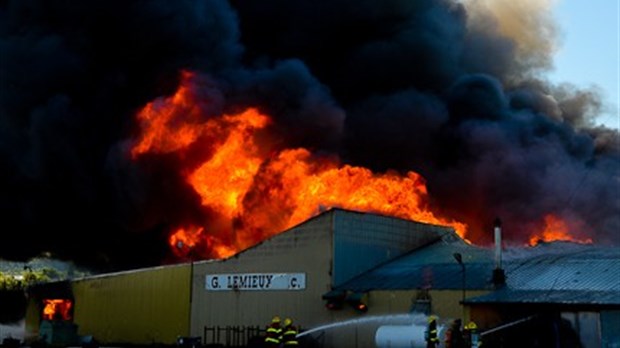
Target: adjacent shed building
x: 144, y: 306
x: 559, y: 293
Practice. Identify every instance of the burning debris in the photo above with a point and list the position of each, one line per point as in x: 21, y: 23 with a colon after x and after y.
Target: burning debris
x: 17, y: 278
x: 198, y: 128
x: 57, y: 309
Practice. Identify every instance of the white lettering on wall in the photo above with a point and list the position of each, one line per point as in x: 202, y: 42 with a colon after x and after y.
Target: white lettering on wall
x: 255, y: 281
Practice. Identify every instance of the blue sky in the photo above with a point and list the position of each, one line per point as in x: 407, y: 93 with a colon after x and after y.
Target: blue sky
x: 589, y: 50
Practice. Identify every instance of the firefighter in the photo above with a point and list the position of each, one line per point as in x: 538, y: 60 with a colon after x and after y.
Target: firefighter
x: 471, y: 336
x: 454, y: 336
x: 274, y: 333
x: 289, y: 334
x: 432, y: 340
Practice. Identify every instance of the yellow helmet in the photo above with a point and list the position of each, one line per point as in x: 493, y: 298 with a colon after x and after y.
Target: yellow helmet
x: 432, y: 318
x: 275, y: 319
x: 288, y: 321
x: 471, y: 326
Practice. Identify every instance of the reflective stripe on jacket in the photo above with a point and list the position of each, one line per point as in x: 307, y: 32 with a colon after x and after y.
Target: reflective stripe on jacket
x: 289, y: 337
x: 273, y: 334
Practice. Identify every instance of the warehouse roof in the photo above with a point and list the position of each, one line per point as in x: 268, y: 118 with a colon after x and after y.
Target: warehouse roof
x: 575, y: 297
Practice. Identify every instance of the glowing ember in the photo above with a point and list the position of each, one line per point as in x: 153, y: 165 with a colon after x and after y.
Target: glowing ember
x: 556, y: 230
x: 57, y: 309
x: 188, y: 242
x: 187, y: 239
x: 257, y: 190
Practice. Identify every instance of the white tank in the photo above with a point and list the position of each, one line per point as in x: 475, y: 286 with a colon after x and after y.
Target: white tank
x: 402, y: 336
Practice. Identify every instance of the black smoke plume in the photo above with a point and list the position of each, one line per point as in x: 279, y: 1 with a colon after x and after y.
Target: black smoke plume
x: 431, y: 86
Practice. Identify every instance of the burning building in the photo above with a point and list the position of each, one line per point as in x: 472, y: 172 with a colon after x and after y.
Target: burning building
x: 138, y: 307
x: 51, y: 310
x: 223, y: 130
x: 235, y: 121
x: 364, y: 269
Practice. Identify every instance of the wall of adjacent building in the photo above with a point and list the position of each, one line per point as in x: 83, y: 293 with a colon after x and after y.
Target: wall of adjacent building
x: 390, y: 308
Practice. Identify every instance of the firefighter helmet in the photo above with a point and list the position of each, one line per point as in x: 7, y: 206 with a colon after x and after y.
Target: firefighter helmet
x: 288, y: 321
x: 432, y: 318
x: 471, y: 326
x: 275, y: 319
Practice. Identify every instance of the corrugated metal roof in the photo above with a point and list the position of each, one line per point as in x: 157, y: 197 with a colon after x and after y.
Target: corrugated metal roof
x: 576, y: 297
x: 561, y: 273
x: 592, y: 268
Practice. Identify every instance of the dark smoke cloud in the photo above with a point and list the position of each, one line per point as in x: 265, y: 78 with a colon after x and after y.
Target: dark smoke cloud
x: 461, y: 102
x: 396, y: 84
x: 72, y: 75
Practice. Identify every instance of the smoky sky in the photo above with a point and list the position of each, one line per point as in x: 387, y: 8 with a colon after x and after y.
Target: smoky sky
x: 397, y: 84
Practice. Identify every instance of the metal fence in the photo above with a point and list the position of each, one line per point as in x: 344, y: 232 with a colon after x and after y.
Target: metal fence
x: 232, y: 336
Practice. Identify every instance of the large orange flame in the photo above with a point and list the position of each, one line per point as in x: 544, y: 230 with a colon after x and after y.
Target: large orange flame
x: 259, y: 190
x: 57, y: 309
x: 159, y: 118
x: 556, y: 229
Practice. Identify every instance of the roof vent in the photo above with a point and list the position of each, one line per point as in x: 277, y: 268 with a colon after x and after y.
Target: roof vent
x: 499, y: 277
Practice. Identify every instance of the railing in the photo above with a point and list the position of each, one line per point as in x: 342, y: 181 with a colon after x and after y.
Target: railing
x: 231, y: 336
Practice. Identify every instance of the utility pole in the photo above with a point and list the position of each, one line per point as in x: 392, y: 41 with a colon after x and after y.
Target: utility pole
x: 459, y: 258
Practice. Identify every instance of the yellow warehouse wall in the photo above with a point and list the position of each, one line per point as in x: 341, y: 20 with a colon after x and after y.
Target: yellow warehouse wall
x: 32, y: 321
x: 138, y: 307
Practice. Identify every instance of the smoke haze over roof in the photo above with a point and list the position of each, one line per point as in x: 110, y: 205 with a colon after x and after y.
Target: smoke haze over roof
x: 455, y: 91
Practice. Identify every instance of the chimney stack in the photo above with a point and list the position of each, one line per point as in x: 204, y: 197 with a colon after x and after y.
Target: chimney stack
x: 498, y: 243
x: 499, y: 277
